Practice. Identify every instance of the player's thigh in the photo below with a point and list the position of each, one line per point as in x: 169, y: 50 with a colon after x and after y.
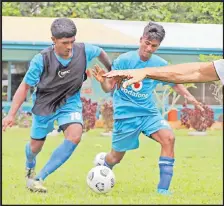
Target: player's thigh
x: 72, y: 125
x: 68, y: 117
x: 41, y: 126
x: 152, y: 124
x: 157, y: 128
x: 164, y: 136
x: 73, y: 131
x: 126, y: 134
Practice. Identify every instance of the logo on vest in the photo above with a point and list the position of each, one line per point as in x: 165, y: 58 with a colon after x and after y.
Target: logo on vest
x: 135, y: 88
x: 62, y: 74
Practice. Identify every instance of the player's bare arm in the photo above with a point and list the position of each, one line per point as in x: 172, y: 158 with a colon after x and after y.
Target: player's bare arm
x: 105, y: 60
x: 107, y: 84
x: 181, y: 89
x: 17, y: 101
x: 179, y: 73
x: 185, y: 73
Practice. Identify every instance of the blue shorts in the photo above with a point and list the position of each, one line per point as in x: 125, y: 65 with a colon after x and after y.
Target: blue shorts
x: 126, y: 131
x: 42, y: 125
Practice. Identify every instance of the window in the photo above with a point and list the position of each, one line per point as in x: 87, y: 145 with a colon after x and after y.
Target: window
x: 203, y: 93
x: 18, y: 71
x: 4, y: 81
x: 213, y: 93
x: 196, y: 92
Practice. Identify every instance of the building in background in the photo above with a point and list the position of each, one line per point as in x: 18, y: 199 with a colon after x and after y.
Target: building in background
x: 23, y: 37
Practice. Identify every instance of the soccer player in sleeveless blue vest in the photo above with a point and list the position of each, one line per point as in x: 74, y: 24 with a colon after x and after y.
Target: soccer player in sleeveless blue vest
x: 135, y: 111
x: 57, y: 73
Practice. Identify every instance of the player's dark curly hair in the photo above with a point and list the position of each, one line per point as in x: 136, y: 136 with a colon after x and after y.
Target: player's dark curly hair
x: 154, y: 31
x: 63, y: 28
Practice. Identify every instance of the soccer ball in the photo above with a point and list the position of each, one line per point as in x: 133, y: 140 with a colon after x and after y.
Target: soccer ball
x: 99, y: 159
x: 101, y: 179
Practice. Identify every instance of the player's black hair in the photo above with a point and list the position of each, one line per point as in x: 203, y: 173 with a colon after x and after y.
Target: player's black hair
x: 154, y: 31
x: 63, y: 28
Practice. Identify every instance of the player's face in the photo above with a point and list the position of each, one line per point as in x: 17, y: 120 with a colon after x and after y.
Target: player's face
x: 63, y: 46
x: 147, y: 47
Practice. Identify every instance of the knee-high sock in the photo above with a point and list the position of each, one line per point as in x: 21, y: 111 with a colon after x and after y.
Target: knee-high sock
x: 58, y: 157
x: 166, y: 172
x: 30, y: 156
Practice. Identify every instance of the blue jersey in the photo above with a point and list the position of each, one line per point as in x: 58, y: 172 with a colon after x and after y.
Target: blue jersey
x: 36, y: 67
x: 137, y: 99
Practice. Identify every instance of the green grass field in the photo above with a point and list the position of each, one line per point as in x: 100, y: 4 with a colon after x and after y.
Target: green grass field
x: 197, y: 179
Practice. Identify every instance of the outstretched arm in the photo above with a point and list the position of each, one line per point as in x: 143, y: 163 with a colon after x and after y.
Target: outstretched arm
x: 182, y: 90
x: 105, y: 60
x: 179, y: 73
x: 107, y: 84
x: 17, y: 101
x: 31, y: 78
x: 184, y: 73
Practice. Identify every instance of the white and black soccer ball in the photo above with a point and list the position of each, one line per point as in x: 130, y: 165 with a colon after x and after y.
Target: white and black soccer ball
x: 101, y: 179
x: 99, y: 159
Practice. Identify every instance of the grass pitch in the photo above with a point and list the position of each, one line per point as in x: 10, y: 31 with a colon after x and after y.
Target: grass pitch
x: 198, y: 171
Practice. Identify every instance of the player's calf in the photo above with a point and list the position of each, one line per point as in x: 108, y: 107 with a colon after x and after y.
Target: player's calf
x: 112, y: 158
x: 63, y: 152
x: 166, y: 159
x: 32, y: 148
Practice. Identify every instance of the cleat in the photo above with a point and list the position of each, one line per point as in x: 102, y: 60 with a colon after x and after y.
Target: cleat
x: 35, y: 185
x: 164, y: 192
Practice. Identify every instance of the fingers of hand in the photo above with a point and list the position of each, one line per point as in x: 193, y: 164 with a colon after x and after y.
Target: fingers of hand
x: 94, y: 73
x: 97, y: 68
x: 127, y: 83
x: 199, y: 105
x: 5, y: 125
x: 118, y: 85
x: 110, y: 75
x: 116, y: 74
x: 118, y: 81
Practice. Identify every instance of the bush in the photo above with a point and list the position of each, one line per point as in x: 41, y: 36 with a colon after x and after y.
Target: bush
x: 197, y: 119
x: 23, y: 119
x: 107, y: 115
x: 220, y: 119
x: 89, y: 114
x: 185, y: 116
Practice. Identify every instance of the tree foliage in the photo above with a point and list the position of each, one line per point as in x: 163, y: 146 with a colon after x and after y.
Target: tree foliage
x: 183, y: 12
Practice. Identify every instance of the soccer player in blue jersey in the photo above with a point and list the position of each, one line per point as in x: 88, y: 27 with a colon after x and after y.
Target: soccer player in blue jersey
x: 135, y: 111
x: 57, y: 72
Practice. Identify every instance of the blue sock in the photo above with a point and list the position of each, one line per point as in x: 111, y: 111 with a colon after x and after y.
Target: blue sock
x: 107, y: 164
x: 166, y: 172
x: 30, y: 157
x: 58, y: 157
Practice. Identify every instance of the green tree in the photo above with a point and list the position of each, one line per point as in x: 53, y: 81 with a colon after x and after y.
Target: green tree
x: 11, y: 9
x: 183, y: 12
